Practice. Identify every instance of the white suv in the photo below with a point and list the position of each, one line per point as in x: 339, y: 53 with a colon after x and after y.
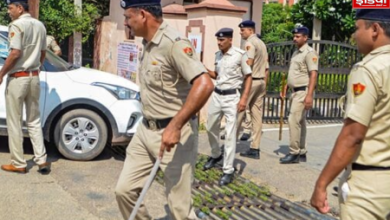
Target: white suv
x: 82, y: 110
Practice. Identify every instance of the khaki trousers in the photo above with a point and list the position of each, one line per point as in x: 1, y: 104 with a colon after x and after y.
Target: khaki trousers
x: 178, y: 167
x: 247, y: 126
x: 24, y: 91
x: 223, y: 105
x: 255, y: 105
x: 368, y: 196
x: 297, y: 123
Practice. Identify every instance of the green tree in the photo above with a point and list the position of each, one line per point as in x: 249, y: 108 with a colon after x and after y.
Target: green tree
x: 60, y: 18
x: 337, y: 17
x: 276, y: 24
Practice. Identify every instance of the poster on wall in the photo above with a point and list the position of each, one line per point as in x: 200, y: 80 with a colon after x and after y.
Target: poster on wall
x: 128, y: 60
x: 196, y: 40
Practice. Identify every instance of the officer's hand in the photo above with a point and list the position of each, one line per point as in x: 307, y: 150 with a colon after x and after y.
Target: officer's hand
x: 170, y: 137
x: 319, y: 200
x: 282, y: 95
x: 241, y: 106
x: 308, y: 102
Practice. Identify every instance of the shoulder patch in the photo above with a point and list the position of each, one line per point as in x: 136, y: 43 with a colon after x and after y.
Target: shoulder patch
x: 358, y: 89
x: 188, y: 51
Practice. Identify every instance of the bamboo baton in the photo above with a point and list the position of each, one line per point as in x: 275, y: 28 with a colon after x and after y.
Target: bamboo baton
x: 145, y: 189
x: 283, y: 95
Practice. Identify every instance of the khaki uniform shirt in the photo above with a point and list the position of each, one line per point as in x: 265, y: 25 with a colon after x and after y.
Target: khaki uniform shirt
x: 52, y: 44
x: 368, y: 103
x: 302, y: 62
x: 167, y: 67
x: 231, y: 67
x: 28, y: 35
x: 256, y: 50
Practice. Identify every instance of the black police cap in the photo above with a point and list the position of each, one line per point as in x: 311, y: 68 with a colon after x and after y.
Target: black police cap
x: 135, y: 3
x: 301, y: 30
x: 247, y: 23
x: 225, y: 32
x: 15, y: 1
x: 373, y: 14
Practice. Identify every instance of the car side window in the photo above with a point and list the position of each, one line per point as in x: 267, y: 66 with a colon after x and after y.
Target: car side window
x: 4, y: 50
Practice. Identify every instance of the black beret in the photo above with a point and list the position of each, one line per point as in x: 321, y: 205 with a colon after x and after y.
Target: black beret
x: 135, y: 3
x: 225, y: 32
x: 14, y: 1
x: 247, y: 23
x: 301, y: 30
x: 373, y: 14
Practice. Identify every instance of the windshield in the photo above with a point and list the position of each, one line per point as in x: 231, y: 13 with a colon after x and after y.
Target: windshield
x: 54, y: 63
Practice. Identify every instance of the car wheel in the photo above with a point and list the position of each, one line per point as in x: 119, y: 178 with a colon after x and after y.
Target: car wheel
x: 80, y: 134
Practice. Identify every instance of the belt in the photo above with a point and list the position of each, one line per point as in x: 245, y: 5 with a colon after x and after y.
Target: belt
x: 226, y: 91
x: 262, y: 78
x: 356, y: 166
x: 25, y: 74
x: 156, y: 124
x: 302, y: 88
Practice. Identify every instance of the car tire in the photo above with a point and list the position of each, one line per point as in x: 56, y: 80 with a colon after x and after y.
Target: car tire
x: 80, y: 134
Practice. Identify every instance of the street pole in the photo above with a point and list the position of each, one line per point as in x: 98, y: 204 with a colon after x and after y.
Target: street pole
x: 77, y: 38
x: 34, y: 8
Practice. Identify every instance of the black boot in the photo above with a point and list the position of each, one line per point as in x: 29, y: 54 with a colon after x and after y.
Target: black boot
x: 251, y: 153
x: 226, y: 179
x: 211, y: 162
x: 245, y: 137
x: 290, y: 158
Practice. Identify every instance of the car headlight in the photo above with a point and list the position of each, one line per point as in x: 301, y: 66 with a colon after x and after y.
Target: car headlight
x: 119, y: 92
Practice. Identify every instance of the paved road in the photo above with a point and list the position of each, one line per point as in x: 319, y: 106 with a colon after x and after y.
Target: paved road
x: 85, y: 190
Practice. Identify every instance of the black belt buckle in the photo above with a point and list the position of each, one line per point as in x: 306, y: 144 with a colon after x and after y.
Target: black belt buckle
x: 156, y: 124
x: 225, y: 92
x: 361, y: 167
x: 302, y: 88
x: 254, y: 79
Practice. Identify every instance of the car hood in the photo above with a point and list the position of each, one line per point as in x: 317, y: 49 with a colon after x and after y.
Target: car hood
x: 89, y: 76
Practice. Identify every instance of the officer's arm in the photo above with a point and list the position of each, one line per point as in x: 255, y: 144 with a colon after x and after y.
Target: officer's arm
x: 250, y: 52
x: 212, y: 74
x: 10, y: 62
x: 246, y: 71
x: 43, y: 55
x: 312, y: 83
x: 347, y: 146
x: 311, y: 60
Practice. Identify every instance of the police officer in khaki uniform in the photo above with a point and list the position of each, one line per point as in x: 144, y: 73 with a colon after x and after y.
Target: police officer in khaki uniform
x: 302, y: 77
x: 231, y: 70
x: 173, y: 89
x: 363, y: 145
x: 258, y: 60
x: 53, y: 45
x: 27, y: 43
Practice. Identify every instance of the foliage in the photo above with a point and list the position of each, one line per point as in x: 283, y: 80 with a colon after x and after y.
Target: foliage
x: 276, y: 23
x: 61, y: 19
x: 338, y: 13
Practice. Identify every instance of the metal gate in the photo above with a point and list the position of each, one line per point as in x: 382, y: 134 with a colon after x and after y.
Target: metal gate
x: 335, y: 62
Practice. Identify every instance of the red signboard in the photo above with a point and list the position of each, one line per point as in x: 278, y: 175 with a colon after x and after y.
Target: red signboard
x: 372, y: 4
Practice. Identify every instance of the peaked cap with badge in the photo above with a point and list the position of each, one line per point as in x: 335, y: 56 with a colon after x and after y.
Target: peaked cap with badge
x: 15, y: 1
x: 301, y: 30
x: 247, y: 24
x: 135, y: 3
x: 224, y: 32
x: 373, y: 14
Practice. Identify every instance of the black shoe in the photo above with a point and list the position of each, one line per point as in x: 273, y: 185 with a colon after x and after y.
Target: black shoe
x: 211, y: 162
x: 226, y: 179
x: 290, y: 158
x: 245, y: 137
x: 251, y: 153
x: 302, y: 157
x: 223, y: 137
